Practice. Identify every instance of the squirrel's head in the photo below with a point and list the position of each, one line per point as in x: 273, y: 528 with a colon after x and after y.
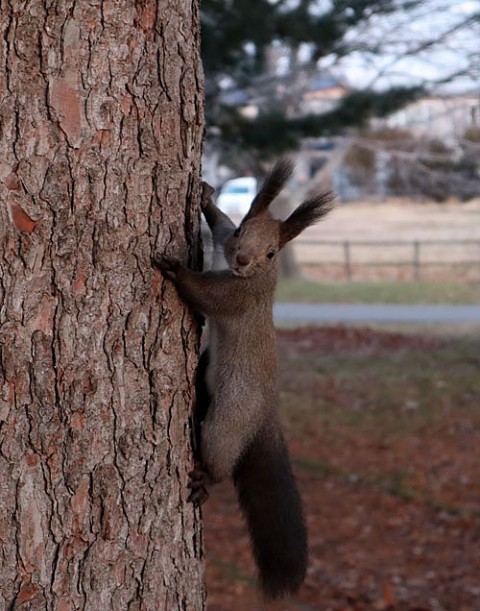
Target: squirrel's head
x: 255, y: 244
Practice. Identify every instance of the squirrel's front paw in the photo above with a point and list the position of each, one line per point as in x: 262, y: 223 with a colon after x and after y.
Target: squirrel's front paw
x: 166, y: 265
x: 207, y: 192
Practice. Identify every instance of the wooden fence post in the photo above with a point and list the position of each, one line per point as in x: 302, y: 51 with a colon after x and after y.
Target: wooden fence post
x: 348, y: 266
x: 416, y: 260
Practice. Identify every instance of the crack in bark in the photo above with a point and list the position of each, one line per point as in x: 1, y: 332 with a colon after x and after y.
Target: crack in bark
x: 6, y: 37
x: 16, y: 522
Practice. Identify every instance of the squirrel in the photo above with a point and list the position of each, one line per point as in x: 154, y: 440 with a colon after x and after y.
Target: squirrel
x: 240, y: 435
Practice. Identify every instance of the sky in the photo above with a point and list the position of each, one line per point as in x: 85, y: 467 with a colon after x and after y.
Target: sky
x: 400, y: 36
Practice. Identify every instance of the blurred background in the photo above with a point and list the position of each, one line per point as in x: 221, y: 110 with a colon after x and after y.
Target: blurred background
x: 378, y: 307
x: 378, y: 101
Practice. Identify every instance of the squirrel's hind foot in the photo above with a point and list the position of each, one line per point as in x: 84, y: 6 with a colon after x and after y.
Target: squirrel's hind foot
x: 198, y: 486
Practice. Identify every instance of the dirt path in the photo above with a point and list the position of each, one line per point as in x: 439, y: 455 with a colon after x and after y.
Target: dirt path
x: 314, y: 313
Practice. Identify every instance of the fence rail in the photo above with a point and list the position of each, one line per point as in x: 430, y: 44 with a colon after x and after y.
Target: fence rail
x: 413, y: 254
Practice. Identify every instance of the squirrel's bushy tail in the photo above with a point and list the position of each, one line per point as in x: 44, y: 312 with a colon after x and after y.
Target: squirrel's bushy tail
x: 271, y: 503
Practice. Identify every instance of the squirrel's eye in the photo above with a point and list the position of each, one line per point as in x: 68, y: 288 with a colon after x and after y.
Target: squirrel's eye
x: 236, y: 233
x: 271, y: 254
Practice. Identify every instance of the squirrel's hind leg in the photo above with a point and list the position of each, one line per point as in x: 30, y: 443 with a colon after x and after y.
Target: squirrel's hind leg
x: 226, y: 433
x: 198, y: 478
x: 198, y: 482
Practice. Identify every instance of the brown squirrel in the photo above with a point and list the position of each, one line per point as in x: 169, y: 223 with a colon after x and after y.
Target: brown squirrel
x: 240, y: 434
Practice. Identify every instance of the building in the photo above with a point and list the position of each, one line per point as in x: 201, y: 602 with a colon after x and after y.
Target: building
x: 445, y: 118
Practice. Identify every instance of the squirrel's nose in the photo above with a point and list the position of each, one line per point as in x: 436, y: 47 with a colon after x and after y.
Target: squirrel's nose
x: 243, y: 259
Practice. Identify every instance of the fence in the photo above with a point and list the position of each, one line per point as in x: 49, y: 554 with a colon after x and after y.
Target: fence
x: 413, y: 256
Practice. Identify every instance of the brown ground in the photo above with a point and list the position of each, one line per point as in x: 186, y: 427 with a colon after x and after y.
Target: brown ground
x: 385, y: 434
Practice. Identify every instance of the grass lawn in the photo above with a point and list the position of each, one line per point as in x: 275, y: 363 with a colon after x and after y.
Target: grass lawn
x: 304, y: 291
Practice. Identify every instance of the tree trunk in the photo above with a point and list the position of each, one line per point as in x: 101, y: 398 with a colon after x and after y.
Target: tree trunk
x: 100, y: 134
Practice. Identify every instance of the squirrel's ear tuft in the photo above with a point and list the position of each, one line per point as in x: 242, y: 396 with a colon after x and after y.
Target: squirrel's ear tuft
x: 271, y: 187
x: 308, y: 213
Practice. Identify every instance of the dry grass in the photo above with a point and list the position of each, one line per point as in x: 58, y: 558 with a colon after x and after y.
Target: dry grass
x: 394, y: 221
x: 400, y: 220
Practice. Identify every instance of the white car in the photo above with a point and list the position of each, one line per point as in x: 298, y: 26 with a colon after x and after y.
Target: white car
x: 237, y: 195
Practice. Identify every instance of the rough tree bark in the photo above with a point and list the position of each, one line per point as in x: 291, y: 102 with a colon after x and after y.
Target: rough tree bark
x: 100, y: 130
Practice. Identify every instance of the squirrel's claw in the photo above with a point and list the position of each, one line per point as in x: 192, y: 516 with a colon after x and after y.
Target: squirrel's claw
x: 198, y: 486
x: 166, y: 265
x: 198, y: 497
x: 207, y: 192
